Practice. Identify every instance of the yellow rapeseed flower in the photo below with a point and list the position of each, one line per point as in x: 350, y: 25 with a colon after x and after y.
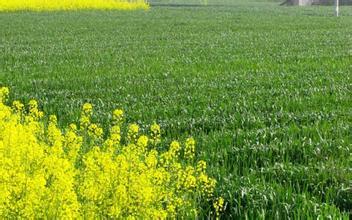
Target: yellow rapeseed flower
x: 190, y: 148
x: 75, y: 173
x: 54, y: 5
x: 17, y: 106
x: 87, y: 109
x: 132, y: 132
x: 117, y: 116
x: 155, y: 133
x: 219, y: 206
x: 4, y: 93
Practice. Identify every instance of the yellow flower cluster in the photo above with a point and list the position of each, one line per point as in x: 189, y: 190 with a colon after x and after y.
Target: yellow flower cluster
x: 219, y: 206
x: 46, y: 172
x: 51, y: 5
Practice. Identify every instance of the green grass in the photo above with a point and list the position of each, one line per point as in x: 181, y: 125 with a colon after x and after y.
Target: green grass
x: 265, y: 90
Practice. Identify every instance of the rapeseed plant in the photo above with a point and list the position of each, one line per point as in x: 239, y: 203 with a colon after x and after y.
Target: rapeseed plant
x: 51, y: 5
x: 46, y: 172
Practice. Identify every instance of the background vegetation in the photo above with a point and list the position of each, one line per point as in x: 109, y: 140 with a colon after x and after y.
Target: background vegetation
x: 63, y: 5
x: 265, y: 90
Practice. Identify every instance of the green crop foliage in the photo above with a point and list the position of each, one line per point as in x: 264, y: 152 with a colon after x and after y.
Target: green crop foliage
x: 265, y: 90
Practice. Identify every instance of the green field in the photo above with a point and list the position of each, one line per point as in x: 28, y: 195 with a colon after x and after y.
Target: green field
x: 265, y: 90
